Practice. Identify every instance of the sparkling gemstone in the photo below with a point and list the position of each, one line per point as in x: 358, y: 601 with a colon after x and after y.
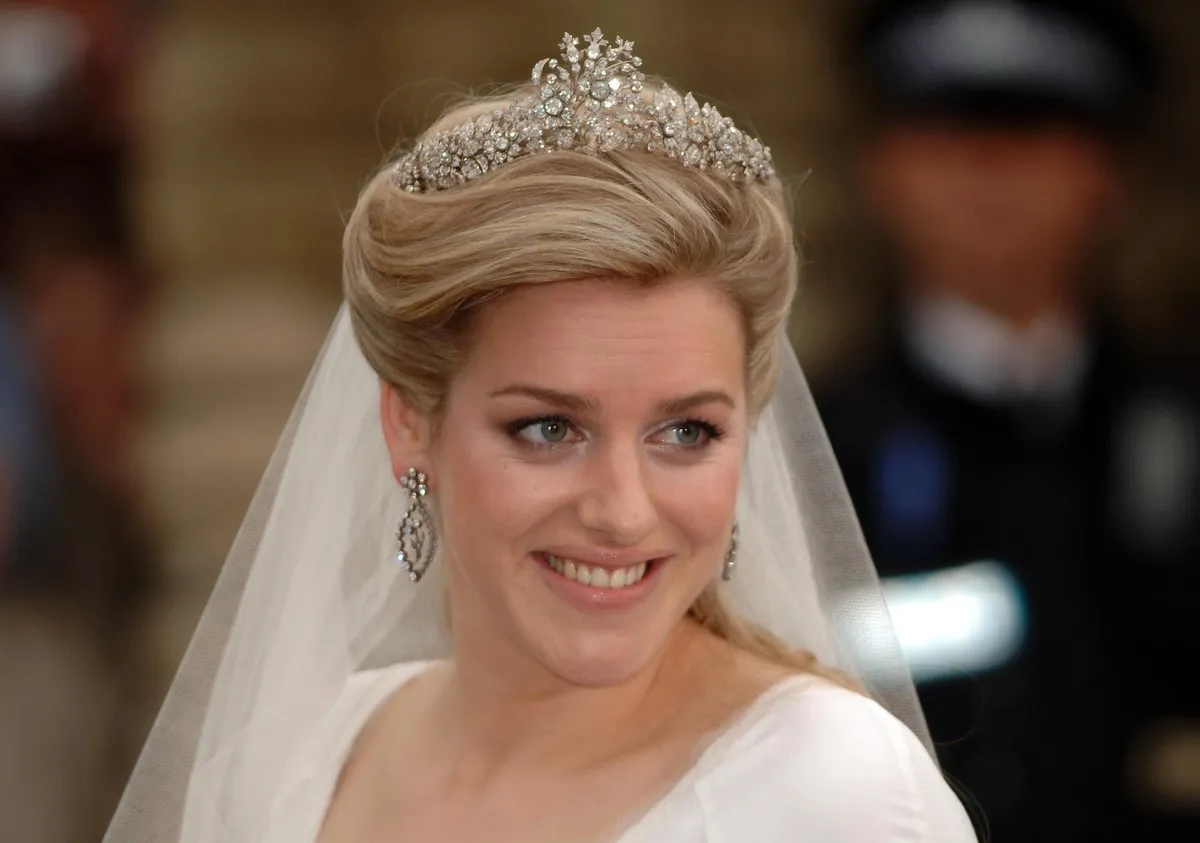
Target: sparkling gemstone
x: 696, y: 133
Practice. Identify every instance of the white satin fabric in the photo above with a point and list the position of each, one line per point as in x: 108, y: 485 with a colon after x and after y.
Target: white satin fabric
x: 808, y: 761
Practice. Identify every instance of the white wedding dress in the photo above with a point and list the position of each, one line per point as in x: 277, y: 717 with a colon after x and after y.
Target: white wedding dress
x: 807, y: 761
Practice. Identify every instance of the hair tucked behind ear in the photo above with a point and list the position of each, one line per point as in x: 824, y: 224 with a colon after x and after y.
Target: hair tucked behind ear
x: 417, y: 266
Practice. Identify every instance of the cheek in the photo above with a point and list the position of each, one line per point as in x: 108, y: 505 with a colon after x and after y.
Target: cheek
x: 920, y: 204
x: 487, y: 496
x: 698, y: 503
x: 1077, y: 199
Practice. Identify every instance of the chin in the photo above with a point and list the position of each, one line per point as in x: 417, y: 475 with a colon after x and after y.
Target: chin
x: 598, y: 660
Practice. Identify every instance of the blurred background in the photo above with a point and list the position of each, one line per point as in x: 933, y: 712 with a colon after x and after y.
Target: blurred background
x: 999, y: 205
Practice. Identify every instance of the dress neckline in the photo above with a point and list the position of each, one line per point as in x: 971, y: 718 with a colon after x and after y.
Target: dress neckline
x: 713, y: 749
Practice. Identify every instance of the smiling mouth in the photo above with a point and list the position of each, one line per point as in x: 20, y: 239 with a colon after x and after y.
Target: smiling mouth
x: 595, y: 576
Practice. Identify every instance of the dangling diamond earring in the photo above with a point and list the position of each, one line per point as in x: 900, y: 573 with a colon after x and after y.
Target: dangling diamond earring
x: 731, y: 555
x: 416, y: 539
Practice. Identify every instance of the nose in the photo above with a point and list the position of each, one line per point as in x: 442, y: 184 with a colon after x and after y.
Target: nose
x: 616, y: 505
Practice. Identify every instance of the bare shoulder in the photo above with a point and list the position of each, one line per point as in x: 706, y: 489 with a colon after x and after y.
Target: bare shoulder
x: 402, y: 697
x: 820, y: 757
x: 385, y: 700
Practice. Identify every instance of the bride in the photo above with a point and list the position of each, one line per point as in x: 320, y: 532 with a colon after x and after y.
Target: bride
x: 553, y: 548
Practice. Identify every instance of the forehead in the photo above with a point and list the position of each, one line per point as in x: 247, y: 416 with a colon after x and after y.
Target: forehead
x: 603, y: 337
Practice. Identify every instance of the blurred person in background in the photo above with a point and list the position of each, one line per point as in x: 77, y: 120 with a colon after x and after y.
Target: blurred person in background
x: 1027, y: 484
x: 72, y: 587
x: 75, y: 553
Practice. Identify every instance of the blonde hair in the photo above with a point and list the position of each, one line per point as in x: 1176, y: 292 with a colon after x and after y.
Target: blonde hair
x: 418, y: 266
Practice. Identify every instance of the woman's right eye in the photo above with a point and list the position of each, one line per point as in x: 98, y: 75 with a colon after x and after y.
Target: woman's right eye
x: 544, y: 432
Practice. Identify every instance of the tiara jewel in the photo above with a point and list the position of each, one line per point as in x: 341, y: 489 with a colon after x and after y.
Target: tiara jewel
x: 591, y: 99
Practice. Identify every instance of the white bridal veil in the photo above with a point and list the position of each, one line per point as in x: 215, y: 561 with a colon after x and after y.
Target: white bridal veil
x: 310, y: 594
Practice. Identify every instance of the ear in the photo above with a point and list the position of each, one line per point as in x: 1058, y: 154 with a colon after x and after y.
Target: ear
x: 1111, y: 188
x: 406, y: 432
x: 876, y: 170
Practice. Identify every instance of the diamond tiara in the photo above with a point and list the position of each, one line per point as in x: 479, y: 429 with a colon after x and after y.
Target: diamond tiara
x: 593, y: 100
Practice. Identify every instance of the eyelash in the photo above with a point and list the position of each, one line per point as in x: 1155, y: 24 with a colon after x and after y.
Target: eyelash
x: 711, y: 432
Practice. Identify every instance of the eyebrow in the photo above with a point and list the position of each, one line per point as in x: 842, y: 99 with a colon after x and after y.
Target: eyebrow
x: 698, y: 399
x: 579, y: 404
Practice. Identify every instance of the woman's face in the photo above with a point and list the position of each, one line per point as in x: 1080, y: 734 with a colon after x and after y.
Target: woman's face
x: 587, y: 469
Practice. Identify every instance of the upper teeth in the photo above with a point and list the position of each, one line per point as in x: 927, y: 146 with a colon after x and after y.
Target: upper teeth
x: 596, y: 576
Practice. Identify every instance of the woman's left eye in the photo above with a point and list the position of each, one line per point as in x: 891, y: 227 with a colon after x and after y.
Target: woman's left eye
x: 689, y: 434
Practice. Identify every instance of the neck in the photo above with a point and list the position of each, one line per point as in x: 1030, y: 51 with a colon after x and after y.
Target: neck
x: 504, y: 710
x: 1023, y: 322
x: 1020, y: 298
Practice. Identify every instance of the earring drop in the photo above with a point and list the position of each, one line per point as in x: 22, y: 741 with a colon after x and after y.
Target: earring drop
x: 416, y: 539
x: 730, y: 565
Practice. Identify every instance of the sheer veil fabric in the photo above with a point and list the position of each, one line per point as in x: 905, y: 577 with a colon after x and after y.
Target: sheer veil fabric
x: 310, y: 594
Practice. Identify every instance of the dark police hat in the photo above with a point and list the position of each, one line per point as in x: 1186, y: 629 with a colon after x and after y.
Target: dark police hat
x: 1006, y: 60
